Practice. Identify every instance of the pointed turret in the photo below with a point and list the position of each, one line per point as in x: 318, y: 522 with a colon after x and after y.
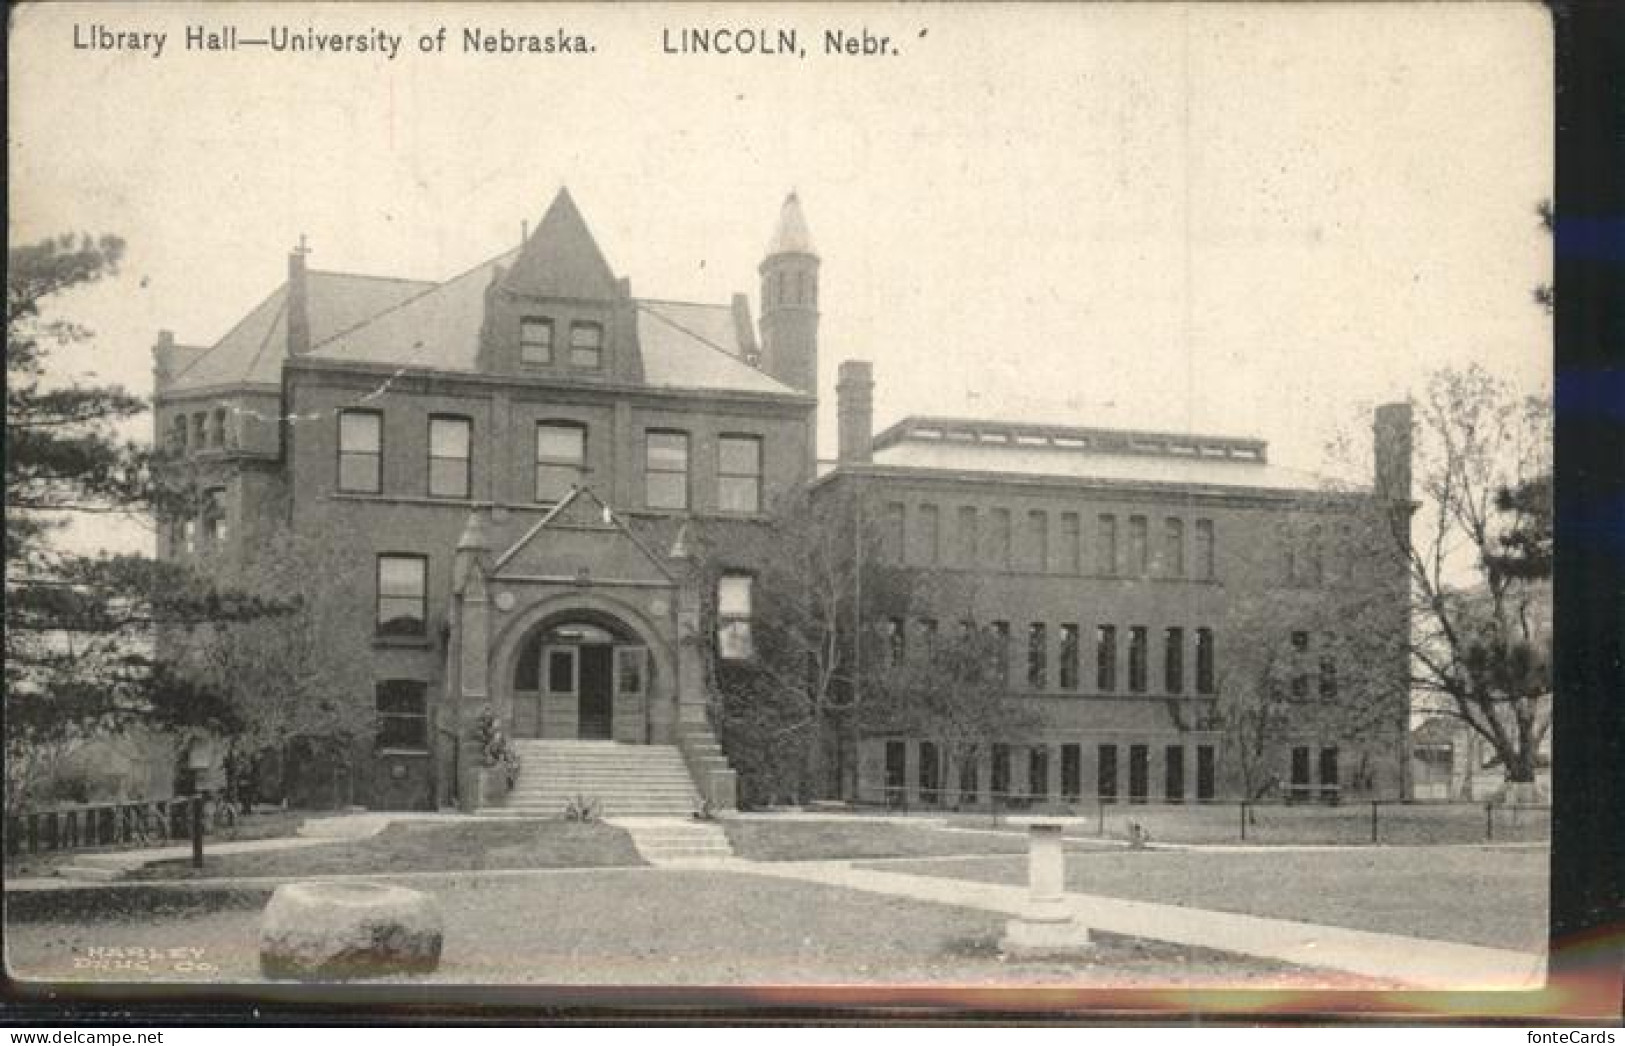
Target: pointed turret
x: 790, y: 302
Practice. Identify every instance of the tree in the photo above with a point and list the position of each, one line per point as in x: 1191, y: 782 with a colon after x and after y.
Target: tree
x: 281, y: 681
x: 787, y: 712
x: 80, y: 627
x: 1479, y: 557
x: 1314, y: 641
x: 951, y: 688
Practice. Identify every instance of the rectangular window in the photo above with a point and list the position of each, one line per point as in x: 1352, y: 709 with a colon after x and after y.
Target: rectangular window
x: 1173, y: 660
x: 1038, y: 772
x: 893, y: 519
x: 1038, y: 541
x: 926, y: 629
x: 968, y: 537
x: 631, y: 670
x: 1000, y: 553
x: 200, y: 435
x: 970, y: 785
x: 1173, y: 547
x: 896, y: 772
x: 361, y: 451
x: 1106, y: 658
x: 930, y: 774
x: 1137, y: 533
x: 1001, y: 773
x: 1173, y: 774
x: 896, y: 641
x: 1328, y: 675
x: 562, y: 666
x: 930, y: 526
x: 1037, y: 655
x: 1315, y: 556
x: 1071, y: 773
x: 217, y: 428
x: 561, y: 458
x: 535, y: 340
x: 739, y: 474
x: 213, y: 520
x: 1204, y: 549
x: 1300, y: 675
x: 1106, y: 773
x: 403, y: 714
x: 1106, y: 546
x: 1069, y: 657
x: 1071, y: 551
x: 734, y: 616
x: 1139, y: 773
x: 1329, y: 786
x: 1204, y: 772
x: 1137, y: 659
x: 586, y: 345
x: 665, y: 470
x: 1204, y: 661
x: 1299, y: 788
x: 1001, y: 651
x: 403, y: 595
x: 450, y: 445
x: 177, y: 436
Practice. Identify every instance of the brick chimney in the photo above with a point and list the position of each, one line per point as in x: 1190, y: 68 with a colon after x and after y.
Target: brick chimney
x: 855, y: 413
x: 163, y: 359
x: 1391, y: 426
x: 298, y: 301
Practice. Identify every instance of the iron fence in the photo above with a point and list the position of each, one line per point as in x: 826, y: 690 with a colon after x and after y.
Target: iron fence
x: 88, y: 825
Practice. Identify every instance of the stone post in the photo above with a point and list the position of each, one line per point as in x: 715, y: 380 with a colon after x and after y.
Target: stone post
x: 1046, y: 928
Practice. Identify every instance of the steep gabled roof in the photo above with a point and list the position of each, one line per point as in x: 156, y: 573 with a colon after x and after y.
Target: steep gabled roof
x: 577, y: 529
x: 561, y: 259
x: 688, y: 345
x: 252, y: 352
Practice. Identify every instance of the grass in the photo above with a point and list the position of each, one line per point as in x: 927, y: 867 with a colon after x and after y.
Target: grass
x: 408, y: 846
x: 1495, y: 898
x: 795, y: 840
x: 631, y: 927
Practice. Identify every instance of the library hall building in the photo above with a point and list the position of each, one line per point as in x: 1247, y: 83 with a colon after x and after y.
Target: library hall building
x: 513, y: 467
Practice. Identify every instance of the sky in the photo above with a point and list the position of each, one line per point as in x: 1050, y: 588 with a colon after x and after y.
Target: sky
x: 1251, y: 220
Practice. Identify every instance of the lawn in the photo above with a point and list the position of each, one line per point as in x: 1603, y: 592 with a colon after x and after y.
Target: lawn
x: 408, y: 846
x: 1491, y: 897
x: 856, y: 837
x: 617, y: 927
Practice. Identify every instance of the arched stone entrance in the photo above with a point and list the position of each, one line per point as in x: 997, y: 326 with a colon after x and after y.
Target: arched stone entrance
x: 583, y: 669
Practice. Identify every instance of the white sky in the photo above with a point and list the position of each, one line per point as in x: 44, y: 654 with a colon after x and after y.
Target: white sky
x: 1252, y: 220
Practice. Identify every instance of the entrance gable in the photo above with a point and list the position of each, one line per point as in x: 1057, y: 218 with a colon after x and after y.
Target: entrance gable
x: 582, y: 539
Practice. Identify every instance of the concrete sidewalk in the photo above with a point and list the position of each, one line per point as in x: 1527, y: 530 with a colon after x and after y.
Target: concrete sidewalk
x: 1416, y: 962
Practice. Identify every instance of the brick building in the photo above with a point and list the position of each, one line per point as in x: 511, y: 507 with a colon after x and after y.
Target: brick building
x: 516, y: 459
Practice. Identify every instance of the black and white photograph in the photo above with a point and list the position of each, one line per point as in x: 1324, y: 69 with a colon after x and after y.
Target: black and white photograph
x: 783, y: 499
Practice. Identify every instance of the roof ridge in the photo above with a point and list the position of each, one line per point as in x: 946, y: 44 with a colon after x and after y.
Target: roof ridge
x: 367, y: 276
x: 269, y: 330
x: 235, y: 327
x: 948, y: 419
x: 428, y: 288
x: 702, y: 339
x: 674, y: 301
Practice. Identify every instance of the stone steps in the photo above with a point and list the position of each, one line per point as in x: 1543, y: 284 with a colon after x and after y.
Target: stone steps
x: 676, y: 840
x: 625, y: 780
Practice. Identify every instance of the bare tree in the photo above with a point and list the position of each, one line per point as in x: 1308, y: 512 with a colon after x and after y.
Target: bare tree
x: 1479, y: 557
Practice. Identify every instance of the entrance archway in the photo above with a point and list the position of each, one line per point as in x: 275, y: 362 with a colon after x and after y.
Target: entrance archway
x: 571, y: 671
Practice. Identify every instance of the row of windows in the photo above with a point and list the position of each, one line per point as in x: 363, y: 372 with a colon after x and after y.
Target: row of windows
x: 560, y: 462
x: 985, y: 539
x: 1314, y: 555
x: 1044, y: 781
x: 1069, y: 662
x: 536, y: 343
x: 1326, y: 663
x: 201, y: 430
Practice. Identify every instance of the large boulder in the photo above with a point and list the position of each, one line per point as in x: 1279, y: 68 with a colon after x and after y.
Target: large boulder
x: 332, y: 930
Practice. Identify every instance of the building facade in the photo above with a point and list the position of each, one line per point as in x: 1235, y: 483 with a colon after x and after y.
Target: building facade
x: 514, y: 463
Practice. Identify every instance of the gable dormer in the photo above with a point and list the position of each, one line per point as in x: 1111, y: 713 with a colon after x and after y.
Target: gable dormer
x: 558, y: 310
